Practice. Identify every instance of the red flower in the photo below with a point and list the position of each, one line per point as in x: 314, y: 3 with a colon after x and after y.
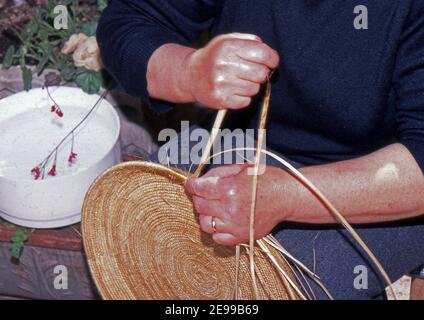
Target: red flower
x: 59, y: 113
x: 36, y: 172
x: 52, y: 171
x: 53, y: 108
x: 72, y: 157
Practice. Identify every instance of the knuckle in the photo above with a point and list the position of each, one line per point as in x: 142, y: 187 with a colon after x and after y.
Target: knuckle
x: 198, y: 187
x: 233, y: 209
x: 225, y: 100
x: 217, y: 95
x: 197, y: 202
x: 219, y: 66
x: 245, y: 68
x: 220, y: 37
x: 192, y: 187
x: 227, y: 44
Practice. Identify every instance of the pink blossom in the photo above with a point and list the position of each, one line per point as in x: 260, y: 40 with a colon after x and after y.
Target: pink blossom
x: 72, y: 157
x: 36, y: 172
x: 52, y: 171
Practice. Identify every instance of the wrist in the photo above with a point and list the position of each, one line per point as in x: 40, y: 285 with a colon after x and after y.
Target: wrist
x: 168, y: 77
x: 287, y: 192
x: 187, y: 79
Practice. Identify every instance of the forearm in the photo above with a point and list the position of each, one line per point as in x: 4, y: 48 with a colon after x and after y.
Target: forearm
x: 167, y: 76
x: 387, y: 185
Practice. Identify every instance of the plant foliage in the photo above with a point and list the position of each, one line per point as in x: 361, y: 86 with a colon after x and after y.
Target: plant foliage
x: 40, y: 45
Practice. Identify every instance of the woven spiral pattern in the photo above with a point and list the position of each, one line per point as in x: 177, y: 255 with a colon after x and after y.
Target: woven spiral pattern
x: 142, y: 240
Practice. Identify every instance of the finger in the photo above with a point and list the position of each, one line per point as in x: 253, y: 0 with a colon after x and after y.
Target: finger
x: 205, y: 187
x: 259, y: 53
x: 225, y: 239
x: 246, y: 88
x: 237, y: 102
x: 253, y: 72
x: 208, y: 207
x: 207, y: 226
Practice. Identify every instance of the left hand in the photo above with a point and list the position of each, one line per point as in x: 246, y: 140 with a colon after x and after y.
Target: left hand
x: 224, y: 194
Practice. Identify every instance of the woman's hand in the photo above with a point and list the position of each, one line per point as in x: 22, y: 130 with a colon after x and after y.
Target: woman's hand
x: 229, y: 70
x: 224, y: 194
x: 225, y: 73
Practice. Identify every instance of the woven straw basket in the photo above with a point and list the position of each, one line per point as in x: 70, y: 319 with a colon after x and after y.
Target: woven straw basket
x: 143, y: 241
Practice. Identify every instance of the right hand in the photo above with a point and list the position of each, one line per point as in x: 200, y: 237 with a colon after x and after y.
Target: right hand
x: 227, y: 72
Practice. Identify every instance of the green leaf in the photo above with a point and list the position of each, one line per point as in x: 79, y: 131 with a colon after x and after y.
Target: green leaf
x: 15, y: 251
x: 67, y: 72
x: 66, y: 67
x: 64, y: 60
x: 42, y: 35
x: 51, y: 4
x: 42, y: 63
x: 20, y: 236
x: 88, y: 80
x: 101, y: 5
x: 17, y: 242
x: 89, y: 28
x: 66, y: 2
x: 22, y: 54
x: 43, y: 46
x: 8, y: 57
x: 26, y: 77
x: 30, y: 29
x: 19, y: 52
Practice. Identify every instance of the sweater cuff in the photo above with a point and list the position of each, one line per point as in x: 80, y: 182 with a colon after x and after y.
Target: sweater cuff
x: 417, y: 150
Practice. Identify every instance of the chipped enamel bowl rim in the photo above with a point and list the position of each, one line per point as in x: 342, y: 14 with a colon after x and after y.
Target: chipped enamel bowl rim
x: 55, y: 202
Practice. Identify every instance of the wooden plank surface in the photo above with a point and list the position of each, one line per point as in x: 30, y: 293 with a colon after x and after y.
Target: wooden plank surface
x: 68, y: 238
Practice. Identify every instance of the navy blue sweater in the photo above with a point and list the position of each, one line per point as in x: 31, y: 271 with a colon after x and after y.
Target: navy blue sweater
x: 339, y: 93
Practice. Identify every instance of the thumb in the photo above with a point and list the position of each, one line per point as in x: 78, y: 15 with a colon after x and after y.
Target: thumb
x: 226, y: 171
x: 205, y: 187
x: 240, y: 36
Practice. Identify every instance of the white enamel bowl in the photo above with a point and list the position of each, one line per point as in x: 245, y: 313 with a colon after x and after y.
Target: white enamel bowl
x: 29, y: 131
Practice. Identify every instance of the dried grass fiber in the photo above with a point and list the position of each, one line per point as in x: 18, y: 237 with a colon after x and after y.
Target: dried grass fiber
x: 142, y: 240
